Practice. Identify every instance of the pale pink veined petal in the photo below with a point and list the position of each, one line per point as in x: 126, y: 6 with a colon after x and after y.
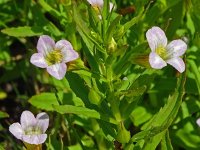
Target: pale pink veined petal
x: 156, y: 61
x: 38, y: 60
x: 58, y: 70
x: 176, y: 48
x: 16, y: 130
x: 45, y: 44
x: 67, y: 50
x: 96, y: 3
x: 34, y: 139
x: 177, y: 63
x: 27, y: 119
x: 42, y: 121
x: 156, y: 37
x: 198, y: 122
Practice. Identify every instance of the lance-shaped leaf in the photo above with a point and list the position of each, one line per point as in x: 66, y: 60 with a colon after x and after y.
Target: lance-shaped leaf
x: 82, y: 111
x: 25, y: 31
x: 164, y: 118
x: 84, y: 30
x: 166, y: 142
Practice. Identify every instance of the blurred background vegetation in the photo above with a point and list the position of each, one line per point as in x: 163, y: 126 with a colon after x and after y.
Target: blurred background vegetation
x: 21, y: 23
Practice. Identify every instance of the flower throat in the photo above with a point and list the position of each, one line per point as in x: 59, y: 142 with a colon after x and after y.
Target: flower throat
x: 161, y: 51
x: 54, y: 57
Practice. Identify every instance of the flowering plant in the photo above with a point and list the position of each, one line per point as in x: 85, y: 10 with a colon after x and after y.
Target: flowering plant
x: 116, y: 74
x: 161, y: 53
x: 53, y: 56
x: 31, y: 130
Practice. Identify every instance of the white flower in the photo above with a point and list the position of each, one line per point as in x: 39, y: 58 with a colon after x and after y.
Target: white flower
x: 53, y: 56
x: 96, y: 3
x: 198, y: 122
x: 31, y: 130
x: 98, y: 6
x: 163, y: 53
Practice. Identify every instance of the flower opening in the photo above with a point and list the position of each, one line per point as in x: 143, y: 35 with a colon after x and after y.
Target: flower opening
x: 31, y: 130
x: 163, y: 53
x: 98, y: 6
x: 53, y: 56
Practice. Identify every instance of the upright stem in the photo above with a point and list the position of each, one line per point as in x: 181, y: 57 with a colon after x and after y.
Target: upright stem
x: 113, y: 100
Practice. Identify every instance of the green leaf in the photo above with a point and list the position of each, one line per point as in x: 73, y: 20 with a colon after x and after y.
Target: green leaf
x: 122, y: 63
x: 25, y: 31
x: 166, y: 115
x: 133, y: 21
x: 166, y: 142
x: 51, y: 10
x: 3, y: 115
x: 82, y: 111
x: 85, y: 31
x: 112, y: 28
x: 123, y: 136
x: 187, y: 134
x: 176, y: 18
x: 69, y: 109
x: 195, y: 71
x: 81, y: 90
x: 153, y: 142
x: 44, y: 101
x: 140, y: 115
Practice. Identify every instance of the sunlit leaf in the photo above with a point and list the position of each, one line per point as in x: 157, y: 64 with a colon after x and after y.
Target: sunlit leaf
x: 25, y: 31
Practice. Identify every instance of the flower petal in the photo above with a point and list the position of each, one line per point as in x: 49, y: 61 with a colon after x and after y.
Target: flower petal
x: 58, y: 70
x: 156, y: 61
x: 38, y: 60
x: 42, y: 121
x: 177, y: 63
x: 45, y: 44
x: 156, y: 37
x: 94, y: 3
x: 16, y: 130
x: 198, y: 122
x: 176, y: 48
x: 27, y: 119
x: 34, y: 139
x: 111, y: 5
x: 67, y: 50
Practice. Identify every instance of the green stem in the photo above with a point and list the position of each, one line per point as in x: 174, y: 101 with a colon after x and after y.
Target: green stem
x: 112, y: 98
x: 114, y: 102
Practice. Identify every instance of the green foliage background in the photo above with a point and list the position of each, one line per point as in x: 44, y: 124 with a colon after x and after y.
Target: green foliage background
x: 110, y: 98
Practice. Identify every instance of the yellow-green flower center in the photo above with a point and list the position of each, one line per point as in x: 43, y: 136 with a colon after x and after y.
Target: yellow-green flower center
x: 97, y: 9
x: 54, y: 57
x: 33, y: 131
x: 161, y: 51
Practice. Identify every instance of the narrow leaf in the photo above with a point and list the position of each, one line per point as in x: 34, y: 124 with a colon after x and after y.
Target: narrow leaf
x: 166, y: 143
x: 25, y: 31
x: 69, y: 109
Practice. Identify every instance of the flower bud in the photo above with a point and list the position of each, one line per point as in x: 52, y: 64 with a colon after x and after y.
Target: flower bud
x: 142, y: 60
x: 94, y: 97
x: 123, y: 135
x: 112, y: 46
x: 119, y: 33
